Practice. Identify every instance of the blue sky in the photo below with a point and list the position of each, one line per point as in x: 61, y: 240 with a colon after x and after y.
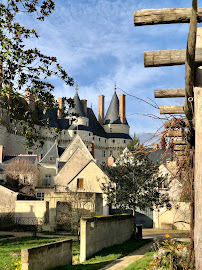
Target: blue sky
x: 97, y: 41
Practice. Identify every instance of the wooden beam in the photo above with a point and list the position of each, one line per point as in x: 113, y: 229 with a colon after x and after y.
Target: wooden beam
x: 164, y: 16
x: 179, y: 147
x: 179, y: 142
x: 167, y: 93
x: 176, y: 124
x: 174, y: 133
x: 179, y: 153
x: 171, y: 109
x: 169, y: 57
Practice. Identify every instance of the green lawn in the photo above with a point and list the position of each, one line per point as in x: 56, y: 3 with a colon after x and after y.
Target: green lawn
x: 143, y: 263
x: 107, y: 255
x: 11, y: 247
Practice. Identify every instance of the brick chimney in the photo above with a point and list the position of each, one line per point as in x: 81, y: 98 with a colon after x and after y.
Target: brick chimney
x: 101, y: 109
x: 110, y: 161
x: 84, y: 103
x: 30, y: 100
x: 1, y: 153
x: 122, y: 108
x: 61, y: 107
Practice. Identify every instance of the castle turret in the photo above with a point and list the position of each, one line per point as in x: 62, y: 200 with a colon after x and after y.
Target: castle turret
x: 115, y: 119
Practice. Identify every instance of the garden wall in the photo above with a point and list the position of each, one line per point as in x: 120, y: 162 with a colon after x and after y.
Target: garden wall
x: 105, y: 231
x: 47, y: 256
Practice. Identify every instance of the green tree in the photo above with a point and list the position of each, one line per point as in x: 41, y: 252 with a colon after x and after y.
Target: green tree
x: 26, y: 69
x: 135, y: 142
x: 134, y: 182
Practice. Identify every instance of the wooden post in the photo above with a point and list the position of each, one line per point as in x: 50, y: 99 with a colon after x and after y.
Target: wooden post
x: 198, y: 169
x: 190, y: 62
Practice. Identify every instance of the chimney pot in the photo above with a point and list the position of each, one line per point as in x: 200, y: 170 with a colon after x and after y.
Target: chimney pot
x: 122, y: 108
x: 101, y: 109
x: 61, y: 107
x: 110, y: 161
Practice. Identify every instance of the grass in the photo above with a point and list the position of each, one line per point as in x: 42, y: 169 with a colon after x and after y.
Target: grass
x: 10, y: 252
x: 6, y: 236
x: 10, y: 248
x: 107, y: 255
x: 141, y: 264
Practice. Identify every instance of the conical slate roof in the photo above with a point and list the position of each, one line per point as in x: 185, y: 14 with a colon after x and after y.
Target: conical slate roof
x: 112, y: 116
x: 78, y: 107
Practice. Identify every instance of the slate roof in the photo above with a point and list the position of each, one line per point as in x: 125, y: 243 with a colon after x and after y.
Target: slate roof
x: 112, y: 116
x: 78, y: 107
x: 51, y: 156
x: 119, y: 135
x: 94, y: 125
x: 156, y: 156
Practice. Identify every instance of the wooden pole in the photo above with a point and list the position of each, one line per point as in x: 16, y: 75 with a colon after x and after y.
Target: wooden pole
x: 198, y: 169
x: 164, y: 16
x: 190, y: 62
x: 167, y: 93
x: 175, y: 124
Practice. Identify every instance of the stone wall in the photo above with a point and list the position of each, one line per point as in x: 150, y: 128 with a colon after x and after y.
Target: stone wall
x: 105, y: 231
x: 7, y: 200
x: 47, y: 256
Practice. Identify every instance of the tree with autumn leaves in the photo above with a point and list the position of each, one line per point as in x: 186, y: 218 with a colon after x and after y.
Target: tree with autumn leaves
x: 23, y: 69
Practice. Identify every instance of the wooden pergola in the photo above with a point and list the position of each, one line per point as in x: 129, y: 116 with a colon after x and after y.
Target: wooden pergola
x: 191, y: 57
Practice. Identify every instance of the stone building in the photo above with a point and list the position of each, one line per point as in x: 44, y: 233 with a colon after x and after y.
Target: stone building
x: 109, y: 133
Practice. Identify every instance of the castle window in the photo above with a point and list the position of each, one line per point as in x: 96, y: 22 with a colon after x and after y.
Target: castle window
x: 113, y: 141
x: 30, y: 152
x: 40, y: 196
x: 124, y: 141
x: 64, y: 132
x: 103, y: 153
x: 74, y: 132
x: 99, y: 139
x: 105, y: 140
x: 51, y: 158
x: 47, y: 180
x: 111, y: 152
x: 89, y: 134
x: 110, y: 130
x: 93, y: 138
x: 80, y: 183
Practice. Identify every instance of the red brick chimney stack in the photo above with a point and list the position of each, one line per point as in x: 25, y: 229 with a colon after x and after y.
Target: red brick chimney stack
x: 101, y: 109
x: 61, y: 107
x: 1, y: 153
x: 122, y: 108
x: 84, y: 103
